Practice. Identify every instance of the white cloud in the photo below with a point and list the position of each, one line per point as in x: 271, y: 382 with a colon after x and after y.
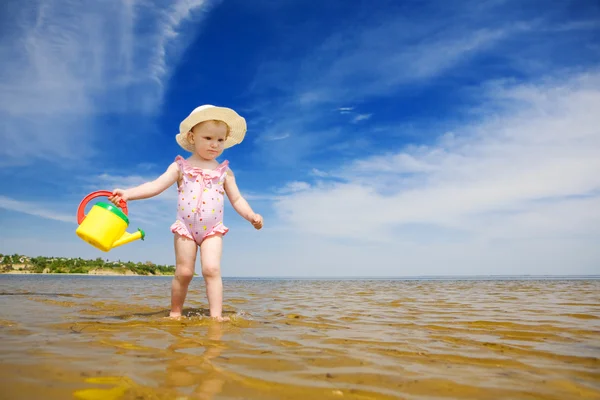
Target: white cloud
x: 361, y: 117
x: 296, y: 186
x: 407, y: 52
x: 319, y: 173
x: 577, y: 25
x: 529, y: 171
x: 309, y: 255
x: 275, y: 137
x: 35, y: 209
x: 167, y: 47
x: 65, y: 63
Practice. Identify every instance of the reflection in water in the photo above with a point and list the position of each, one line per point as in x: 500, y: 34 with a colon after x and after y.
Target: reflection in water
x: 108, y: 338
x: 185, y: 369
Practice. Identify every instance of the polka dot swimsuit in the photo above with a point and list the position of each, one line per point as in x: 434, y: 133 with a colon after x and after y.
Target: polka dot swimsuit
x: 200, y: 201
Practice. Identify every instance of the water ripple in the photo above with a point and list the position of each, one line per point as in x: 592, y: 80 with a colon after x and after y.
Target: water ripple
x: 324, y: 339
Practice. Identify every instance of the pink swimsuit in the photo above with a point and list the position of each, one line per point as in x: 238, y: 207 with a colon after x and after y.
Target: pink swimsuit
x: 200, y: 203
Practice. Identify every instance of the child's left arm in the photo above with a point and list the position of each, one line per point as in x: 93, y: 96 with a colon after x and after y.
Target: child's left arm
x: 239, y: 203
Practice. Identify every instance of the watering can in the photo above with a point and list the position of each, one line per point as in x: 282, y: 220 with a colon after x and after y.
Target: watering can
x: 104, y: 227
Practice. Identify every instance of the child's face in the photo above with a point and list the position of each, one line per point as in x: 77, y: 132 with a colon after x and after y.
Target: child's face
x: 209, y: 139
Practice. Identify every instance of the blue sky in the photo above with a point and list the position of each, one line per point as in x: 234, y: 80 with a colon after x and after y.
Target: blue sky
x: 385, y: 138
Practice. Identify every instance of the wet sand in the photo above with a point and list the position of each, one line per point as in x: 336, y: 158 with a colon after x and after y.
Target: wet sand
x: 97, y: 337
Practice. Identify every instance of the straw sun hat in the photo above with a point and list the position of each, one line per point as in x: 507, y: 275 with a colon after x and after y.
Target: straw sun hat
x: 237, y: 124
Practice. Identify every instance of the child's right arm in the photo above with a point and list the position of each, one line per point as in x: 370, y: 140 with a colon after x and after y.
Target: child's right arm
x: 148, y: 189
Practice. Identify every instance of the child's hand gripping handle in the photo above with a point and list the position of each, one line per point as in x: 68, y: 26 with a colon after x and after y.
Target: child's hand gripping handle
x: 100, y: 193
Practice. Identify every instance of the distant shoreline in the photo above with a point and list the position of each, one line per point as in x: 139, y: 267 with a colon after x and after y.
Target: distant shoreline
x: 24, y: 265
x: 432, y: 278
x: 76, y: 274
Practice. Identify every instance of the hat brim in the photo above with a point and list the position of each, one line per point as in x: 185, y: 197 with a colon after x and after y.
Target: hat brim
x: 236, y: 123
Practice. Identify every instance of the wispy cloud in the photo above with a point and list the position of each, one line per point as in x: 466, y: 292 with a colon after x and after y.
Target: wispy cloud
x: 356, y: 116
x: 35, y: 209
x: 528, y: 165
x: 390, y: 51
x: 295, y: 186
x: 361, y: 117
x: 65, y: 64
x: 357, y: 63
x: 397, y: 65
x: 577, y: 26
x: 319, y: 173
x: 275, y: 137
x: 169, y: 42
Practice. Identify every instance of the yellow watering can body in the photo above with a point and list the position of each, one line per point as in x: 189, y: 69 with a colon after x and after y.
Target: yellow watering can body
x: 104, y: 227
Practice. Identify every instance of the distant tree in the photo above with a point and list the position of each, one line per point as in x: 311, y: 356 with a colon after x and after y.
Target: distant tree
x: 79, y: 265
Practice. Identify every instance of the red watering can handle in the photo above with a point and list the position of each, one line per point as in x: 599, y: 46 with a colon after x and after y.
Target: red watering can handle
x: 93, y: 195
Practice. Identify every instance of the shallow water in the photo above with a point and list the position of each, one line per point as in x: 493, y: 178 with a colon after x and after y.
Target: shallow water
x: 106, y: 338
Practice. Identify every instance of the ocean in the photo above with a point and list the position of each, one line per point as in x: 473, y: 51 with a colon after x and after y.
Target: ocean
x: 106, y: 337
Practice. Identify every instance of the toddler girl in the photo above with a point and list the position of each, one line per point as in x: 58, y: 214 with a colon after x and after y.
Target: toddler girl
x: 202, y: 183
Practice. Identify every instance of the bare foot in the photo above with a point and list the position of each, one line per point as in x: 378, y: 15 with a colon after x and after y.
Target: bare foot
x: 220, y: 319
x: 176, y: 316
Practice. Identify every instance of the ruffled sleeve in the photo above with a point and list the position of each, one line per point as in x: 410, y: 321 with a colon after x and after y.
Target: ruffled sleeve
x: 222, y: 168
x: 184, y: 166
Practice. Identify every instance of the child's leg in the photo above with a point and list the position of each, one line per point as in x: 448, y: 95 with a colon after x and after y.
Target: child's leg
x: 210, y: 258
x: 185, y: 260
